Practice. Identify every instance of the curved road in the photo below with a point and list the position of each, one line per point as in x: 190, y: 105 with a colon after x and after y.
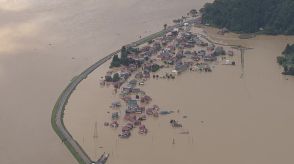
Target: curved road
x: 57, y: 121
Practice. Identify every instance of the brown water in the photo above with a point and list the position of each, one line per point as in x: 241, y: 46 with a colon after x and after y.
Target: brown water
x: 43, y: 44
x: 230, y: 119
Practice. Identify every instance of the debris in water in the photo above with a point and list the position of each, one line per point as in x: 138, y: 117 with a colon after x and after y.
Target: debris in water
x: 185, y: 132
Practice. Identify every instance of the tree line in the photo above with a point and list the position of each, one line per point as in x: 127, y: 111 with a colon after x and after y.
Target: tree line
x: 251, y: 16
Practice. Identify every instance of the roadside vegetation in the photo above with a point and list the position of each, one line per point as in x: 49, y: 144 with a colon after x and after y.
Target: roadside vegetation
x: 123, y: 60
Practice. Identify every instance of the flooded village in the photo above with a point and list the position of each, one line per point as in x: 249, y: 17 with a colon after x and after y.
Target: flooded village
x: 188, y: 93
x: 181, y: 50
x: 184, y: 97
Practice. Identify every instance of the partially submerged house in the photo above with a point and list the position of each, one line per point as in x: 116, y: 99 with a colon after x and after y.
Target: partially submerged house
x: 116, y: 104
x: 219, y: 51
x: 209, y: 58
x: 180, y: 66
x: 132, y: 106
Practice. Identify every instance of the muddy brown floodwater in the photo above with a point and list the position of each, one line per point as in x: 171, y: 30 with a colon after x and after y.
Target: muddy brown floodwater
x: 230, y: 119
x: 43, y: 44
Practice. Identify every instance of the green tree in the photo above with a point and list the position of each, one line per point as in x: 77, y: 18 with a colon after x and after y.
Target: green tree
x: 108, y: 78
x: 124, y: 56
x: 281, y: 60
x: 289, y: 49
x: 287, y: 60
x: 115, y: 61
x: 115, y: 77
x: 155, y: 67
x: 164, y: 26
x: 249, y: 16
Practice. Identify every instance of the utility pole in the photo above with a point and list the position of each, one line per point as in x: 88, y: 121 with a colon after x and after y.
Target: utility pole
x: 95, y: 131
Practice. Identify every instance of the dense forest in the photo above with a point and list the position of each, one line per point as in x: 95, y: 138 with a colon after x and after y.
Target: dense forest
x: 250, y: 16
x: 287, y: 60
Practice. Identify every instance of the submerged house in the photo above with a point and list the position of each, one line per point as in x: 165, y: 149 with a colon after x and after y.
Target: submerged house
x: 139, y: 75
x: 108, y: 76
x: 115, y: 116
x: 133, y: 82
x: 115, y: 104
x: 146, y: 99
x: 230, y: 53
x: 210, y: 47
x: 146, y: 74
x: 198, y: 42
x: 187, y: 35
x: 130, y: 117
x: 180, y: 67
x: 210, y: 58
x: 219, y: 51
x: 201, y: 53
x: 187, y: 53
x: 143, y: 129
x: 127, y: 90
x: 124, y: 74
x: 156, y: 46
x: 136, y: 90
x: 180, y: 54
x: 132, y: 106
x: 145, y: 49
x: 165, y: 54
x: 132, y: 67
x: 130, y: 89
x: 132, y: 103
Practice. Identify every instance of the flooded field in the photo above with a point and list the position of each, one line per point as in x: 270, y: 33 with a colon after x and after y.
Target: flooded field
x: 44, y: 44
x: 230, y: 118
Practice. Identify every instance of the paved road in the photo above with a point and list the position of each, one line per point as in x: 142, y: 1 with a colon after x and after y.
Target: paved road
x: 62, y: 102
x: 58, y: 111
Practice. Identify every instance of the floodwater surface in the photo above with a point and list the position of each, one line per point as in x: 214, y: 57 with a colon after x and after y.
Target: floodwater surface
x: 230, y: 118
x: 43, y: 44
